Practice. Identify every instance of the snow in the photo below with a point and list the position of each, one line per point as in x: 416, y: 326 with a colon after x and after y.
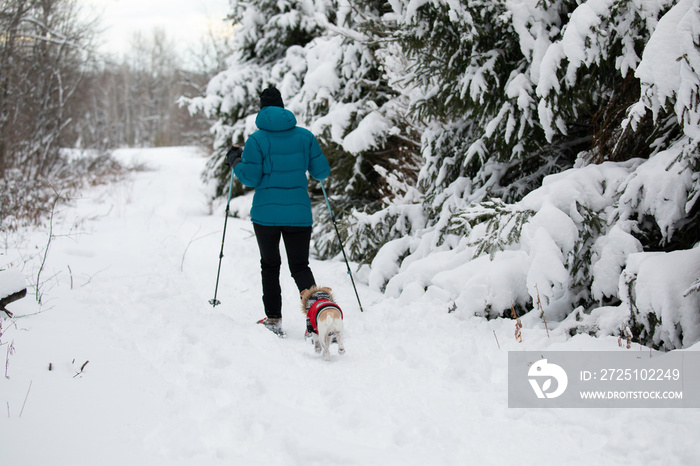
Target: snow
x: 480, y: 285
x: 388, y: 258
x: 610, y: 255
x: 171, y: 380
x: 547, y: 277
x: 364, y: 136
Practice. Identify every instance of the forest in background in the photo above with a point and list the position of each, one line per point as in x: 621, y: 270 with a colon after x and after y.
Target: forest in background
x: 59, y: 94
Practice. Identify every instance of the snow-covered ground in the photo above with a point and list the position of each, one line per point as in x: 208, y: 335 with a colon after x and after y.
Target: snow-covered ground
x: 172, y: 381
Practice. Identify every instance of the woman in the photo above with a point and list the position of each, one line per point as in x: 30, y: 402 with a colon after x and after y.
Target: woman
x: 274, y: 162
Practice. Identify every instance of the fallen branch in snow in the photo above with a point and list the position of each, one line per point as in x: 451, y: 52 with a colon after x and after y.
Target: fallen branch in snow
x: 25, y: 398
x: 70, y: 273
x: 90, y: 277
x: 497, y: 343
x: 82, y: 368
x: 182, y: 262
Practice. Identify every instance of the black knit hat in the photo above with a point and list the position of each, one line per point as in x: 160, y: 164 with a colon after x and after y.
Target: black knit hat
x: 271, y: 97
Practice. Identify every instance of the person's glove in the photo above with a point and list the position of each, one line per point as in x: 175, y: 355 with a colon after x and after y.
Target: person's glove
x: 234, y: 155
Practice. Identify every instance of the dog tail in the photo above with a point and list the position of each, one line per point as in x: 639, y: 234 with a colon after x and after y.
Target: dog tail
x: 331, y: 319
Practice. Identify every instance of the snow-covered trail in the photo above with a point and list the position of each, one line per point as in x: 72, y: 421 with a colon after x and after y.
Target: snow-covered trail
x: 171, y: 380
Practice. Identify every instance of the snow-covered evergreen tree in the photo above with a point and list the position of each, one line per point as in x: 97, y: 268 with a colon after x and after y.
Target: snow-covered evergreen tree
x: 513, y: 90
x: 559, y: 143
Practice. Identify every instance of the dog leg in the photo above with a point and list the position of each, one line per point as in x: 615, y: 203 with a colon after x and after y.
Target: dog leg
x: 341, y: 347
x: 326, y: 345
x: 317, y: 342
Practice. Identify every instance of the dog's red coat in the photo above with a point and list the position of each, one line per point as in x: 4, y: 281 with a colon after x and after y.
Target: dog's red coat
x: 316, y: 308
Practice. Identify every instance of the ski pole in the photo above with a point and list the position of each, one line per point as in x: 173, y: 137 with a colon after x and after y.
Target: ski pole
x: 214, y: 302
x: 340, y: 240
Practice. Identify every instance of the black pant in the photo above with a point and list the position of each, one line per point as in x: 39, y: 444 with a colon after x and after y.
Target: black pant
x: 296, y: 244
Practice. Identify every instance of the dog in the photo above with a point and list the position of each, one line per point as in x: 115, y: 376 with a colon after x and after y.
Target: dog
x: 324, y: 319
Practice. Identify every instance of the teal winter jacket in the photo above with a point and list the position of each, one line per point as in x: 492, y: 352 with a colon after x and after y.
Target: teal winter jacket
x: 274, y: 162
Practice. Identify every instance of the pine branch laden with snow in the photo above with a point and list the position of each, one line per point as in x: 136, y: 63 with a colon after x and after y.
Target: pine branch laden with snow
x: 502, y: 224
x: 694, y: 288
x: 364, y: 233
x: 669, y: 70
x: 663, y: 314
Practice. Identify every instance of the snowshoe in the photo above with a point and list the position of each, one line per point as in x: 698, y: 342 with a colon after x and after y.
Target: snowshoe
x: 273, y: 325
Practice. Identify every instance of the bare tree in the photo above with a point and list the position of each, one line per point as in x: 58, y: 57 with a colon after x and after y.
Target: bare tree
x: 134, y: 103
x: 45, y: 51
x: 57, y: 93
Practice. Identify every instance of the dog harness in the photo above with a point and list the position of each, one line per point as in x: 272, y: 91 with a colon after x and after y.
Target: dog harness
x: 315, y: 309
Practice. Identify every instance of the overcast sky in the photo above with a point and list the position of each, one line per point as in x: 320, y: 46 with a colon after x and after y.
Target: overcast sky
x: 185, y: 21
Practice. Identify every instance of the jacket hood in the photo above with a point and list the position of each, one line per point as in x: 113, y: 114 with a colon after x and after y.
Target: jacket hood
x: 275, y: 119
